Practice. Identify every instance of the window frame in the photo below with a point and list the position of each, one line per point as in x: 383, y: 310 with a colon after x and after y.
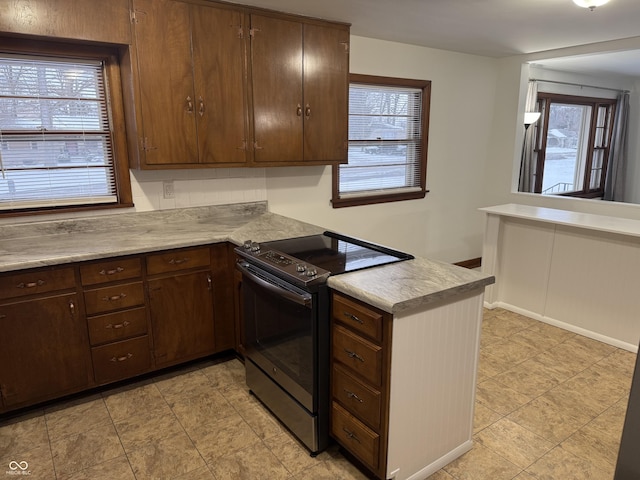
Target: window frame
x: 544, y: 102
x: 111, y: 56
x: 425, y: 86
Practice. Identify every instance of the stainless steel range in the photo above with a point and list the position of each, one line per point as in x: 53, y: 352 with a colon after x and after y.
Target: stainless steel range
x: 286, y: 308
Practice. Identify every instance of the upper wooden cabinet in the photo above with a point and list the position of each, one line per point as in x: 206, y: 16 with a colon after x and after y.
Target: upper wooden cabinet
x: 300, y: 91
x: 93, y: 20
x: 205, y: 95
x: 190, y: 81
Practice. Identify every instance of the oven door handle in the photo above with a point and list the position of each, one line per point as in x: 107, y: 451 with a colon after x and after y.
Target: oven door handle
x: 305, y: 300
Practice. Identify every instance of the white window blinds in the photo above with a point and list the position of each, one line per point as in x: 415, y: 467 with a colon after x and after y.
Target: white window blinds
x: 384, y: 141
x: 55, y: 140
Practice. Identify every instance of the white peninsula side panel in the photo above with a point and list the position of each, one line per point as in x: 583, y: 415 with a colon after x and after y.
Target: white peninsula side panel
x: 577, y: 271
x: 434, y: 362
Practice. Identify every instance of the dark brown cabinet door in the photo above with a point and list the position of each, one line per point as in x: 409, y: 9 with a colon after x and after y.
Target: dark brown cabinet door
x: 276, y: 69
x: 220, y: 84
x: 44, y: 349
x: 167, y: 101
x: 182, y: 317
x: 326, y: 93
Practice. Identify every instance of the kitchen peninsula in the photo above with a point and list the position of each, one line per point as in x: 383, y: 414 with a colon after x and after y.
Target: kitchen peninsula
x: 104, y: 270
x: 574, y: 270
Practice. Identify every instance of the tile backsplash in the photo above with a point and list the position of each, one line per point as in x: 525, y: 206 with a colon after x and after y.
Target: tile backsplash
x: 197, y: 187
x: 191, y: 188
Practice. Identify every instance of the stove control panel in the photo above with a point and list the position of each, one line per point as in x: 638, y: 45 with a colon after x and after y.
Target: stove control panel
x: 283, y: 265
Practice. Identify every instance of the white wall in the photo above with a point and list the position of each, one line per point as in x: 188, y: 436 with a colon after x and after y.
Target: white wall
x: 445, y: 225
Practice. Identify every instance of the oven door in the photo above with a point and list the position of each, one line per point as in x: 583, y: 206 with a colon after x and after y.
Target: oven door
x: 280, y: 323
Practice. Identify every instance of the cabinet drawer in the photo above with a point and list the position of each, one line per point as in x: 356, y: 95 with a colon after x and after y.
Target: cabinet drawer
x: 116, y: 297
x: 357, y: 353
x: 119, y: 360
x: 357, y: 317
x: 30, y: 283
x: 110, y: 271
x: 178, y: 260
x: 359, y: 399
x: 117, y: 326
x: 355, y: 436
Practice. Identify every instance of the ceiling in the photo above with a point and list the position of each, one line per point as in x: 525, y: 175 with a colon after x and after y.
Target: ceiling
x: 493, y: 28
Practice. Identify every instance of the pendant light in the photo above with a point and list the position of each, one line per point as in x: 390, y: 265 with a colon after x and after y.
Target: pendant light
x: 590, y: 4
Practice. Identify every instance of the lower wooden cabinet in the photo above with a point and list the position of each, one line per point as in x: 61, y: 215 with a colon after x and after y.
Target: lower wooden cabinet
x: 360, y: 363
x: 44, y: 349
x: 70, y: 328
x: 119, y: 360
x: 181, y: 308
x: 403, y: 385
x: 355, y: 436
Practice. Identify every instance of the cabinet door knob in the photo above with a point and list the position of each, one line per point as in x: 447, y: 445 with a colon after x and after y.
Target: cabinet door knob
x: 201, y: 108
x: 189, y: 105
x: 37, y: 283
x: 353, y: 317
x: 121, y: 359
x: 111, y: 272
x: 117, y: 325
x: 178, y: 261
x: 307, y: 111
x: 114, y: 298
x: 351, y: 435
x: 351, y: 354
x: 353, y: 396
x: 299, y: 110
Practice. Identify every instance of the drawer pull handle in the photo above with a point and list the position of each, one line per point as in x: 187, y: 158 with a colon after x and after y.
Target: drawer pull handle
x: 118, y: 325
x: 111, y: 272
x: 353, y: 396
x: 353, y: 317
x: 38, y: 283
x: 178, y: 261
x: 72, y: 307
x: 121, y: 359
x: 354, y: 355
x: 351, y: 435
x: 114, y: 298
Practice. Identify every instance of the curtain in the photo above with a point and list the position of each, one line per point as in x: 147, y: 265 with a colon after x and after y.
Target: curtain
x: 528, y: 156
x: 614, y: 183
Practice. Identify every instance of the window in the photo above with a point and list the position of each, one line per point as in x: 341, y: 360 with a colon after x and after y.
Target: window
x: 58, y: 146
x: 388, y: 125
x: 572, y: 145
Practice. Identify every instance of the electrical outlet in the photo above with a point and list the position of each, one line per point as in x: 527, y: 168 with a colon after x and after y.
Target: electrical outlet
x: 167, y: 189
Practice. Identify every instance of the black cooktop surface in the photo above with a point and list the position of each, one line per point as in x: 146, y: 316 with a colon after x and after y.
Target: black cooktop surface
x: 336, y: 253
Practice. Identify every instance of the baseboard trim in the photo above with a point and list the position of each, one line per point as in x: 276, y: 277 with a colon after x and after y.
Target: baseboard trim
x: 471, y: 263
x: 565, y: 326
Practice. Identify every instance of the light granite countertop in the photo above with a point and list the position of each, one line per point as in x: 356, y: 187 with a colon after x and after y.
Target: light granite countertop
x: 393, y: 288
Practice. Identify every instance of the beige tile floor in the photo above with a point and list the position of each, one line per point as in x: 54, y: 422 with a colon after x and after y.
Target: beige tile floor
x: 550, y: 405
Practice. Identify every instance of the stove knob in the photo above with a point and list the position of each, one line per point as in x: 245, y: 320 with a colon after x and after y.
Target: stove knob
x: 312, y: 273
x: 300, y: 268
x: 255, y: 247
x: 247, y: 244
